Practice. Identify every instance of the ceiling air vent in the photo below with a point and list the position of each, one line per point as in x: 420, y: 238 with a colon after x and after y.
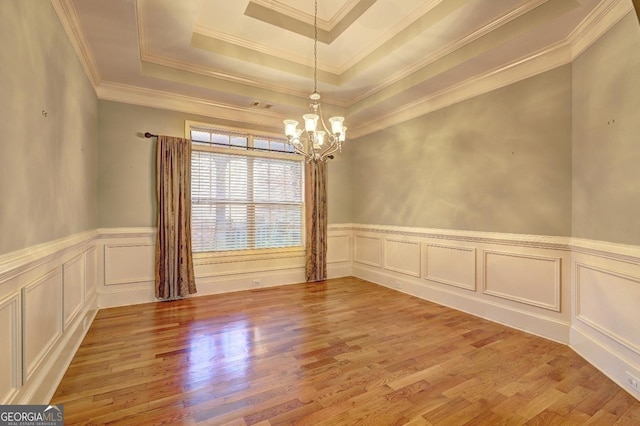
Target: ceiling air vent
x: 258, y: 104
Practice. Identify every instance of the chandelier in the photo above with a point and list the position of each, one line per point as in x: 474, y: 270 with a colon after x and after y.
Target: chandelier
x: 316, y: 142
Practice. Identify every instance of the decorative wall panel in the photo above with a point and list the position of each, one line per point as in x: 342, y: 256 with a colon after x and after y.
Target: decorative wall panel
x: 402, y: 256
x: 451, y: 265
x: 73, y: 294
x: 338, y: 248
x: 608, y: 301
x: 368, y: 250
x: 128, y: 263
x: 90, y: 272
x: 534, y: 280
x: 42, y: 319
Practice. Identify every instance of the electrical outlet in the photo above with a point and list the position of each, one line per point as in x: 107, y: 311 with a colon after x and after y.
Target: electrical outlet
x: 256, y: 283
x: 633, y: 382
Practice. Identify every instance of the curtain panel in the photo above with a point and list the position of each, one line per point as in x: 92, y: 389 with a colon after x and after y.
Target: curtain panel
x: 316, y: 220
x: 174, y: 277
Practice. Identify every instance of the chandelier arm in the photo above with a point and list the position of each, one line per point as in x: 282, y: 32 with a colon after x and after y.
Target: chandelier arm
x: 331, y: 149
x: 298, y: 150
x: 321, y: 119
x: 301, y: 151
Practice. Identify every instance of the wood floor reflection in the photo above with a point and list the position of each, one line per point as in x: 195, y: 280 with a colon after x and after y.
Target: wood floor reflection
x: 342, y: 352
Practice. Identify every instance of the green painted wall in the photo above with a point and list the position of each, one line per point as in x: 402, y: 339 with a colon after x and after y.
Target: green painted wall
x: 606, y: 137
x: 47, y: 163
x: 500, y: 162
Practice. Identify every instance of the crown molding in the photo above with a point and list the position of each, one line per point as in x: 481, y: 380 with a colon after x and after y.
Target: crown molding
x: 244, y: 50
x: 388, y: 35
x: 324, y: 24
x: 448, y: 49
x: 190, y: 105
x: 202, y: 70
x: 333, y: 75
x: 600, y: 20
x: 545, y: 60
x: 71, y: 25
x: 257, y: 48
x: 243, y: 95
x: 140, y: 28
x: 294, y: 20
x: 594, y: 26
x: 335, y: 72
x: 249, y: 83
x: 607, y: 14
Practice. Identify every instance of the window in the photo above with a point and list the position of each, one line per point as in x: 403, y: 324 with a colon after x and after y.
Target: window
x: 246, y: 191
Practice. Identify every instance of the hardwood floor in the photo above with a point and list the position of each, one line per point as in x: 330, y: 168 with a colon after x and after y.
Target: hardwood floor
x: 342, y: 352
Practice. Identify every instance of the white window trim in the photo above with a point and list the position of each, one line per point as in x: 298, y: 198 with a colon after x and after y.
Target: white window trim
x: 250, y: 134
x: 203, y: 258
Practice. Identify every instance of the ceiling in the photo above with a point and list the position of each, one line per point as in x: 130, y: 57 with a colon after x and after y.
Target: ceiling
x: 380, y: 62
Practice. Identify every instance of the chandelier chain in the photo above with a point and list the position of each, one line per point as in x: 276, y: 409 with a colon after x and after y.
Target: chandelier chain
x: 315, y: 47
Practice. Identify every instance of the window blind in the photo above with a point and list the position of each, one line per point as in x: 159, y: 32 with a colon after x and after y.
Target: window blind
x: 245, y: 202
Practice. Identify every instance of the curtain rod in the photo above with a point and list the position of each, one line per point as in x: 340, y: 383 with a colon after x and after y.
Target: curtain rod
x: 250, y: 148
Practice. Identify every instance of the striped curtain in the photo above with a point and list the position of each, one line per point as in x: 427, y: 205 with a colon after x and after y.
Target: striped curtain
x: 316, y: 220
x: 174, y: 276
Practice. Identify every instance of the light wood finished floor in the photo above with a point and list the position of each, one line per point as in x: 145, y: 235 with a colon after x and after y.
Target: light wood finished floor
x: 342, y: 352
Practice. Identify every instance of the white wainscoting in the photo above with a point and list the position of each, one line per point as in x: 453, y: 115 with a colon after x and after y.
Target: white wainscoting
x: 516, y: 280
x: 126, y: 266
x: 582, y: 293
x: 45, y: 309
x: 579, y: 292
x: 605, y: 326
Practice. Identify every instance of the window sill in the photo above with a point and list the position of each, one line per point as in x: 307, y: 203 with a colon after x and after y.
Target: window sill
x: 207, y: 258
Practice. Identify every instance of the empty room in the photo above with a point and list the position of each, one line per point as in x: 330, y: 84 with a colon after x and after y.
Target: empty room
x: 321, y: 212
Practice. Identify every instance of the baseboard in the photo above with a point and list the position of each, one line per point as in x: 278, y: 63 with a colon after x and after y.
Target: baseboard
x: 126, y: 296
x: 144, y: 292
x: 612, y: 363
